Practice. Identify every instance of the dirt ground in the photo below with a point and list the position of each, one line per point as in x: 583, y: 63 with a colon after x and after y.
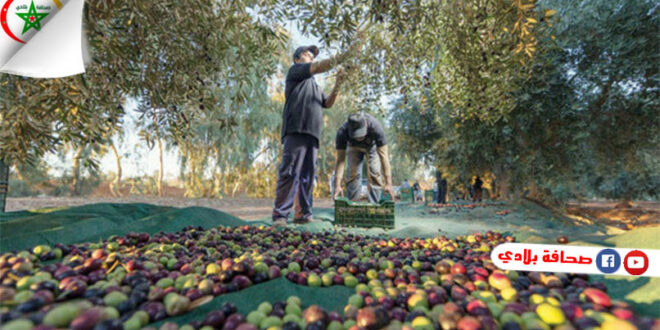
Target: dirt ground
x: 640, y: 214
x: 244, y: 208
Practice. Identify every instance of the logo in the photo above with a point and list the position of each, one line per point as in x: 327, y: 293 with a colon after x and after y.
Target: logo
x: 21, y: 19
x: 608, y: 261
x: 636, y: 262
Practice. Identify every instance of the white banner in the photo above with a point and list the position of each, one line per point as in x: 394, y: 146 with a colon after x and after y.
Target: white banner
x: 41, y: 38
x: 577, y: 259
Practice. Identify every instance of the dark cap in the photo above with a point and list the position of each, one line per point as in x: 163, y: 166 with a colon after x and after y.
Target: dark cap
x: 300, y: 50
x: 357, y: 125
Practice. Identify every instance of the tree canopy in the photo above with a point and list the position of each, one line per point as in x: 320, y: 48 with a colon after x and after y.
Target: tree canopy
x: 556, y: 98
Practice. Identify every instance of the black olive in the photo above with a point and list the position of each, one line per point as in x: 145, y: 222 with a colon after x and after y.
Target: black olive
x: 113, y: 324
x: 318, y: 325
x: 30, y: 305
x: 291, y: 326
x: 228, y: 309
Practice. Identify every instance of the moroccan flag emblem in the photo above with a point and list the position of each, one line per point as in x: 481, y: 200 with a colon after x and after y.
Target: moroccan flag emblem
x: 33, y: 28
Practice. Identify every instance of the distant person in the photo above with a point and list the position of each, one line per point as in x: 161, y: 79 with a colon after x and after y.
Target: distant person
x: 477, y: 189
x: 417, y: 190
x: 302, y: 120
x: 405, y: 185
x: 363, y: 137
x: 442, y: 188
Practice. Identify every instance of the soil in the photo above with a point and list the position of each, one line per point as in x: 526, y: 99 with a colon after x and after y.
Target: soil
x: 635, y: 214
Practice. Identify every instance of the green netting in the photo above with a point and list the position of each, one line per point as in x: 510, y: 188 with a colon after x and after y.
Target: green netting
x: 95, y: 222
x: 332, y: 298
x: 24, y: 229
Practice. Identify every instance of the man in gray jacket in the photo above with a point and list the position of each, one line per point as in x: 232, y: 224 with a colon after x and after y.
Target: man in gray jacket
x: 360, y: 137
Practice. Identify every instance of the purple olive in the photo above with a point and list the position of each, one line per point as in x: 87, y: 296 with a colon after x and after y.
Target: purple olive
x: 64, y: 274
x: 45, y: 295
x: 214, y: 319
x: 247, y: 326
x: 154, y: 309
x: 72, y: 289
x: 194, y: 294
x: 242, y: 281
x: 88, y: 319
x: 397, y: 313
x: 233, y: 321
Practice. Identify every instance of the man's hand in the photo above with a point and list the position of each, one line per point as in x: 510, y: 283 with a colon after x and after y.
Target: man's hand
x: 338, y: 192
x: 340, y: 76
x: 390, y: 190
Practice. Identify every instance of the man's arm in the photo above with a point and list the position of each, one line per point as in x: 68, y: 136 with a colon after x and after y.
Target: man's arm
x: 326, y: 65
x: 384, y: 156
x: 330, y: 101
x: 339, y: 170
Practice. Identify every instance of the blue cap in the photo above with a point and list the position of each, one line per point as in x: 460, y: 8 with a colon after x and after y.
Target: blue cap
x: 300, y: 50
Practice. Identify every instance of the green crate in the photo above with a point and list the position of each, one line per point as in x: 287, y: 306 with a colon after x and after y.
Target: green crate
x: 407, y: 195
x: 367, y: 215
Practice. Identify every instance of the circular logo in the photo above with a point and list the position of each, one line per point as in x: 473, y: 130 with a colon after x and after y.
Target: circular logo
x: 636, y: 262
x: 21, y: 19
x: 608, y: 261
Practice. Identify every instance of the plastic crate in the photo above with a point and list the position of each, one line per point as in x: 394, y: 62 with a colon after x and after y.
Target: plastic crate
x: 406, y: 195
x: 367, y: 215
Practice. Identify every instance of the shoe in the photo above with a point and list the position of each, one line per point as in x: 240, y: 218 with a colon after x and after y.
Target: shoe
x: 279, y: 222
x: 302, y: 221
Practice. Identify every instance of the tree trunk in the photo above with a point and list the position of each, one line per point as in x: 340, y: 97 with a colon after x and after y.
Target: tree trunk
x: 217, y: 177
x: 577, y: 194
x: 159, y: 183
x: 133, y: 190
x: 238, y: 184
x: 544, y: 198
x: 533, y: 191
x: 159, y: 179
x: 502, y: 180
x: 75, y: 171
x: 115, y: 186
x: 191, y: 186
x: 18, y: 173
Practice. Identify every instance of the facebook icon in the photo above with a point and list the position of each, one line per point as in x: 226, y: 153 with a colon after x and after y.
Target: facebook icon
x: 608, y: 261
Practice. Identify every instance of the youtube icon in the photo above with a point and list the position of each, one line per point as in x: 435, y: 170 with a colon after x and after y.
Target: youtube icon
x: 636, y: 262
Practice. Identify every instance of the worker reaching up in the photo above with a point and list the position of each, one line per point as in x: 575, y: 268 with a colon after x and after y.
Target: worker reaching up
x: 302, y: 122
